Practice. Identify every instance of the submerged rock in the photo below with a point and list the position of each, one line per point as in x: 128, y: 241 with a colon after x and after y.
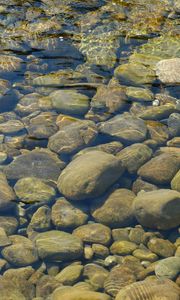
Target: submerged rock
x: 37, y: 163
x: 7, y: 194
x: 89, y: 175
x: 152, y: 209
x: 57, y: 245
x: 167, y: 71
x: 126, y: 127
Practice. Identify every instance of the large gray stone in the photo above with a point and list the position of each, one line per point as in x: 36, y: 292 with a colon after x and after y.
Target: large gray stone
x: 57, y: 245
x: 126, y: 127
x: 73, y: 137
x: 116, y: 210
x: 134, y: 156
x: 167, y: 70
x: 89, y: 175
x: 158, y: 209
x: 168, y: 267
x: 37, y: 163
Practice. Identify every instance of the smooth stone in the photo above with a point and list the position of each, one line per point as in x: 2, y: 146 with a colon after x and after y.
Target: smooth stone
x: 46, y: 285
x: 40, y: 220
x: 10, y: 63
x: 10, y: 224
x: 95, y: 275
x: 72, y: 293
x: 70, y: 102
x: 126, y: 127
x: 136, y: 234
x: 66, y: 215
x: 4, y: 240
x: 109, y: 99
x: 93, y: 233
x: 7, y: 194
x: 3, y: 157
x: 100, y: 250
x: 139, y: 94
x: 157, y: 112
x: 89, y: 175
x: 139, y: 185
x: 163, y: 248
x: 168, y: 268
x: 116, y: 210
x: 134, y: 156
x: 10, y: 291
x: 11, y: 126
x: 31, y: 189
x: 134, y: 73
x: 152, y: 209
x: 145, y: 255
x: 73, y: 137
x: 70, y: 275
x: 21, y: 253
x: 175, y: 182
x: 174, y: 124
x: 160, y: 169
x: 28, y: 104
x: 57, y: 245
x: 175, y: 142
x: 158, y: 132
x: 120, y: 234
x: 167, y: 70
x: 123, y: 247
x: 37, y: 163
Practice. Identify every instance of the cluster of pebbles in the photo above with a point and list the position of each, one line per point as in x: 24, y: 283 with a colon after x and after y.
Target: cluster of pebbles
x: 89, y: 161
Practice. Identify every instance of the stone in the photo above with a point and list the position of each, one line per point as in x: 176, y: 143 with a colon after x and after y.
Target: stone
x: 160, y: 169
x: 174, y: 124
x: 95, y: 275
x: 11, y: 127
x: 4, y: 240
x: 10, y: 291
x: 93, y: 233
x: 57, y: 245
x: 167, y: 70
x: 120, y: 234
x: 10, y: 224
x: 118, y: 278
x: 72, y: 293
x: 70, y: 275
x: 46, y: 285
x: 157, y: 112
x: 100, y: 250
x: 37, y: 163
x: 115, y: 210
x: 70, y: 102
x: 152, y: 209
x: 139, y: 94
x: 31, y: 190
x: 163, y: 248
x: 134, y: 156
x: 123, y: 247
x: 150, y: 289
x: 89, y: 175
x: 7, y: 194
x: 136, y: 234
x: 73, y: 137
x: 10, y: 63
x: 41, y: 220
x: 126, y: 127
x: 66, y: 215
x: 21, y: 253
x: 145, y: 255
x: 175, y: 182
x: 134, y: 73
x: 168, y: 268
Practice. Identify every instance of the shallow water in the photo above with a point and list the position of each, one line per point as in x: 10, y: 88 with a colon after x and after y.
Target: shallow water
x: 107, y: 51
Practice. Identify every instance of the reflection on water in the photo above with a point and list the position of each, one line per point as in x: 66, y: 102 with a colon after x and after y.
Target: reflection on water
x: 89, y: 117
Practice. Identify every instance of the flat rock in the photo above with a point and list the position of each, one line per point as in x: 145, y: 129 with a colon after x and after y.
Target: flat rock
x: 152, y: 209
x: 70, y: 274
x: 160, y: 169
x: 168, y: 267
x: 9, y: 63
x: 134, y: 156
x: 161, y: 247
x: 37, y: 163
x: 115, y: 210
x: 174, y: 124
x: 123, y: 247
x: 175, y: 183
x: 72, y: 293
x: 73, y: 137
x: 31, y: 189
x: 167, y: 70
x: 57, y: 245
x: 67, y: 215
x: 93, y: 233
x: 7, y: 194
x: 89, y: 175
x: 126, y: 127
x: 70, y: 102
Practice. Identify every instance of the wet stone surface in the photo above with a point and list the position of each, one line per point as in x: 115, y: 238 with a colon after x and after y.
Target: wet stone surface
x: 89, y: 150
